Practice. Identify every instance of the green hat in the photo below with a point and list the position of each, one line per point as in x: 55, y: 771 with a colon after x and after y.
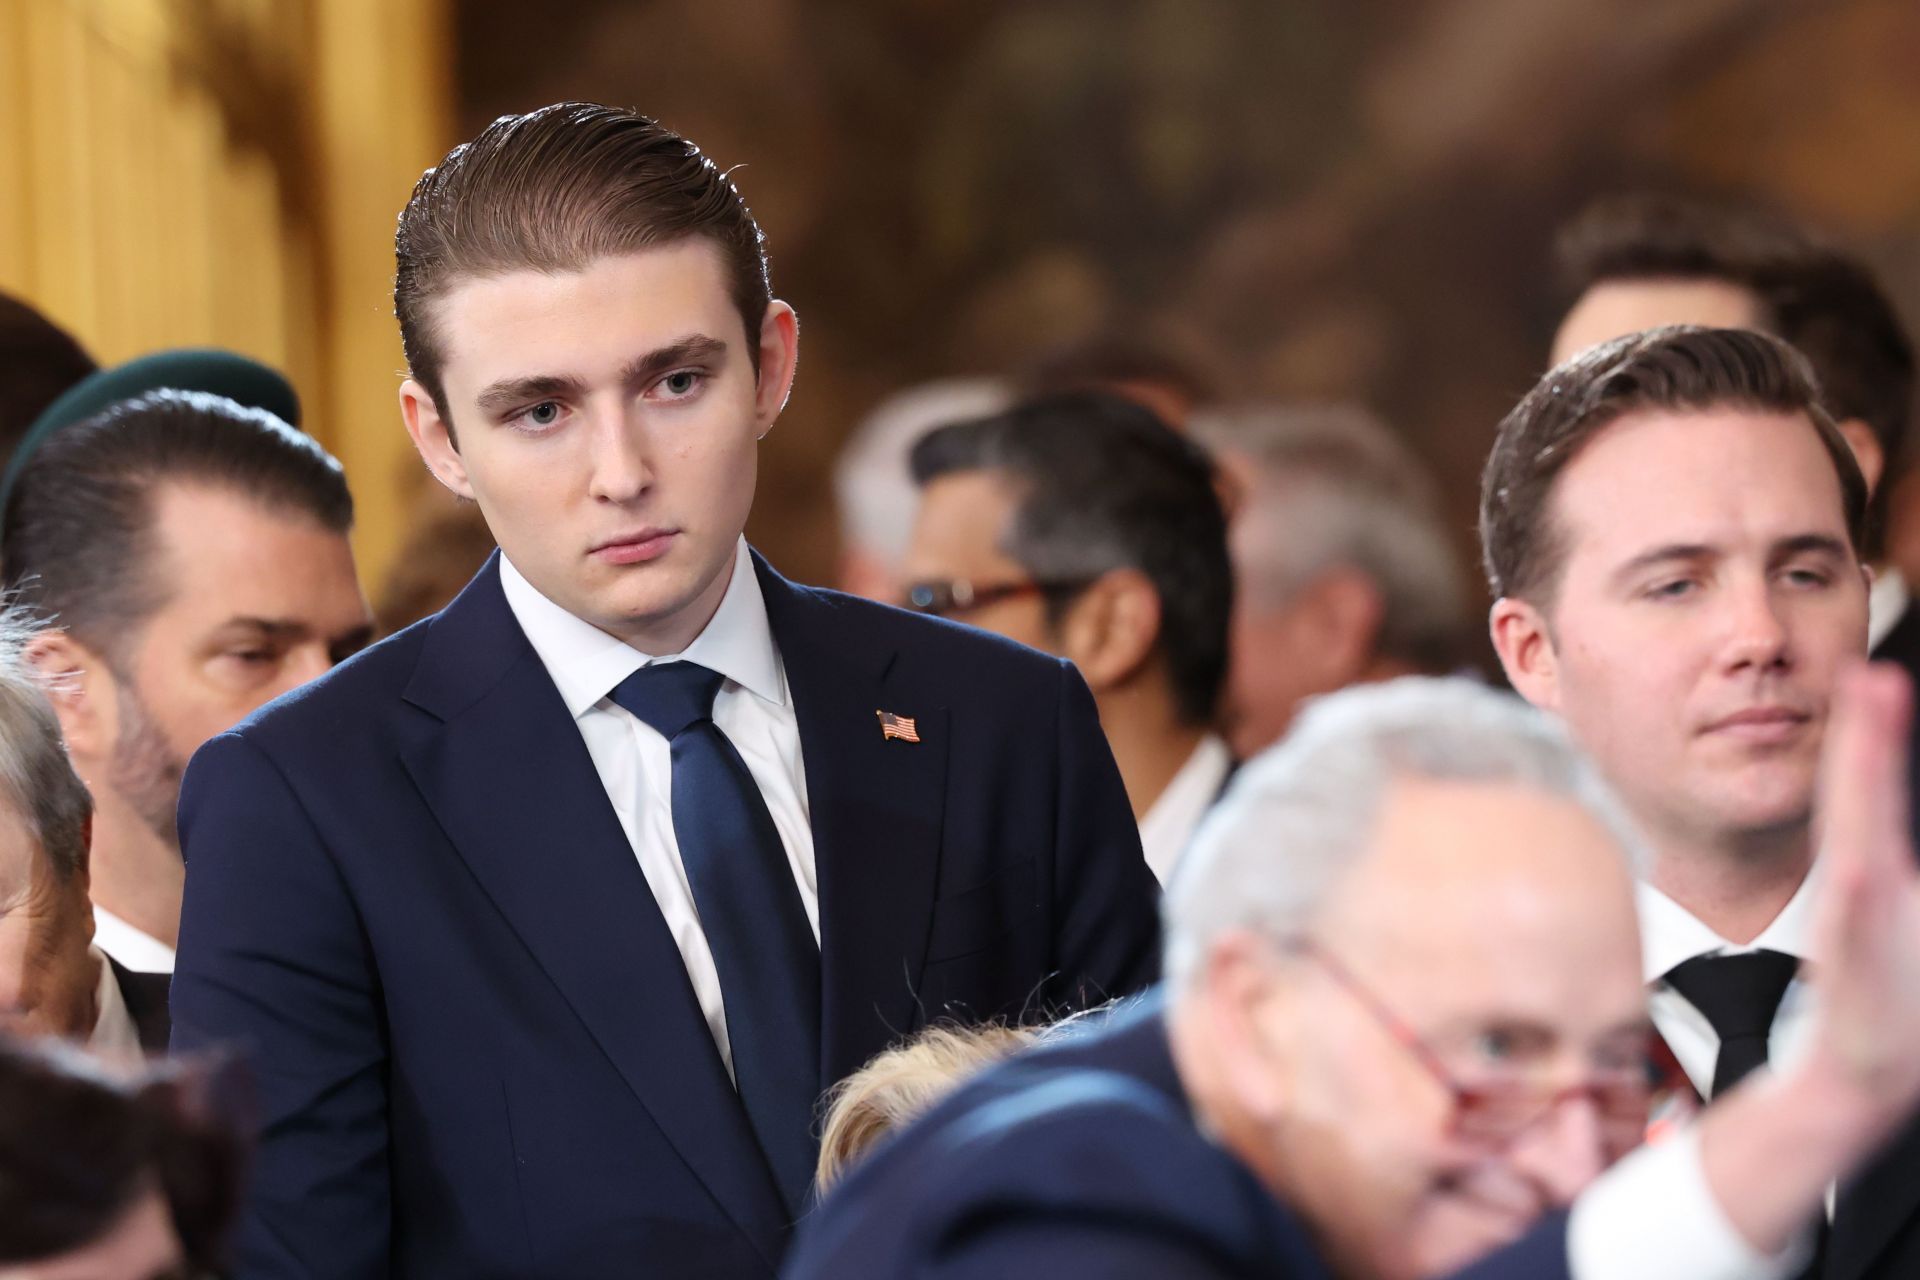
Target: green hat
x: 208, y: 369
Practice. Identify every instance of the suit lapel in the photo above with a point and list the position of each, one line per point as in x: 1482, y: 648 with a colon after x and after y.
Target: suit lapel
x: 1874, y: 1208
x: 508, y: 776
x: 875, y: 805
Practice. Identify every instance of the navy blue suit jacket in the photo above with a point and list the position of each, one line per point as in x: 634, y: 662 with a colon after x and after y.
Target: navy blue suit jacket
x: 477, y: 1051
x: 1079, y: 1161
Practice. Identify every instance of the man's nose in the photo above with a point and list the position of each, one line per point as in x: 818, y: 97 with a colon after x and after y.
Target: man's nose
x: 1565, y: 1151
x: 1756, y: 630
x: 621, y: 469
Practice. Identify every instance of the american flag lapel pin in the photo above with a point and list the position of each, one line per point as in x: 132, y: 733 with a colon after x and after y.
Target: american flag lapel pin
x: 897, y: 727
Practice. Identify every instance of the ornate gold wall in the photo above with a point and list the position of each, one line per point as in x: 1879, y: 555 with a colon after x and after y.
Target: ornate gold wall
x: 227, y: 172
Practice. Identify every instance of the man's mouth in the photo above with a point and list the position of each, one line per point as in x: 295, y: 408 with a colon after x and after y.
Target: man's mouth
x: 634, y: 547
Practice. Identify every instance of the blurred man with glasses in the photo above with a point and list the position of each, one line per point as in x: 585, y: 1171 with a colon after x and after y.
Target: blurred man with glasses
x: 1081, y: 525
x: 1403, y: 1034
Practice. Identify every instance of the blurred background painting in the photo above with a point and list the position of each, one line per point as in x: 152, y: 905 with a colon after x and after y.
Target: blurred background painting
x: 1346, y: 200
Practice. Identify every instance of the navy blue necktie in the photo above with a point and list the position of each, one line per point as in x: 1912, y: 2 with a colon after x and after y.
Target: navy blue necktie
x: 750, y: 912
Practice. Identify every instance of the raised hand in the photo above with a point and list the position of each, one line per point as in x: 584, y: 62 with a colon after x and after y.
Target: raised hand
x: 1867, y: 940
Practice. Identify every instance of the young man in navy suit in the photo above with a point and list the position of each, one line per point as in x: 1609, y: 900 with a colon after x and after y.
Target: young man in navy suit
x: 545, y: 923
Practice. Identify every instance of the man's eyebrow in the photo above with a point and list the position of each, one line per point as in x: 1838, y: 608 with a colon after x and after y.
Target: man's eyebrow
x: 688, y: 350
x: 1815, y: 543
x: 274, y: 628
x: 511, y: 393
x: 1664, y: 554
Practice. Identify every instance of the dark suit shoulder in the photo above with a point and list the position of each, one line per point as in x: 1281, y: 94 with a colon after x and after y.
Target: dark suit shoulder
x: 1056, y: 1154
x: 927, y: 643
x: 338, y: 702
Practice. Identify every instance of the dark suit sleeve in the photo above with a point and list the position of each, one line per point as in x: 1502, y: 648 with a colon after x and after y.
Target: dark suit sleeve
x: 273, y: 964
x: 1107, y: 903
x: 1541, y: 1254
x: 1091, y: 1250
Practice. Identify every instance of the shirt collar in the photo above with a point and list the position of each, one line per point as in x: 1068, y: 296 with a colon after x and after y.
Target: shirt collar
x: 114, y: 1035
x: 1169, y: 823
x: 1887, y: 601
x: 1671, y: 935
x: 586, y: 663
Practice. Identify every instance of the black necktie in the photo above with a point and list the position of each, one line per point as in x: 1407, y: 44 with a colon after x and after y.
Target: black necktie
x: 750, y: 912
x: 1739, y: 995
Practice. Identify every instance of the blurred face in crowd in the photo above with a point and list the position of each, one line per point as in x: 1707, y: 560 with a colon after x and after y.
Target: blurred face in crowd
x: 1707, y: 596
x: 607, y: 422
x: 254, y: 601
x: 963, y: 520
x: 141, y: 1245
x: 1485, y: 943
x: 49, y: 980
x: 1614, y: 308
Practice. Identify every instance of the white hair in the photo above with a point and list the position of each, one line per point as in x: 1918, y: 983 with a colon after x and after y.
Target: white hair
x: 36, y: 777
x: 1299, y: 815
x: 871, y: 483
x: 1340, y: 489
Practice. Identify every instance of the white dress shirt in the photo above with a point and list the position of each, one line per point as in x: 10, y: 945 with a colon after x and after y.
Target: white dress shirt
x: 1170, y: 821
x: 114, y: 1035
x: 134, y: 948
x: 635, y: 762
x: 1653, y: 1217
x: 1887, y: 603
x: 1670, y: 935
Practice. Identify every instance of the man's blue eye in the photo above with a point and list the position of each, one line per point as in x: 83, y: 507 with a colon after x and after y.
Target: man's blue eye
x: 544, y: 414
x: 681, y: 382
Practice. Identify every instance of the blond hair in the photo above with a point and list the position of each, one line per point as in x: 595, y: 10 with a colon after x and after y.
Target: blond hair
x: 902, y: 1083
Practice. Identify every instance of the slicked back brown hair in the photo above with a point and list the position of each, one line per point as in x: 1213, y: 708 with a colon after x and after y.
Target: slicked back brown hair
x: 1680, y: 369
x: 1824, y: 302
x: 553, y: 190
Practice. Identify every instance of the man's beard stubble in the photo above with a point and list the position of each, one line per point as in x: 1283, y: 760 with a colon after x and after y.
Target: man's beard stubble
x: 144, y: 768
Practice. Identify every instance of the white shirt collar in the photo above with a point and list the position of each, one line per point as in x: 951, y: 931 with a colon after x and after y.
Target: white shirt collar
x: 136, y: 949
x: 1887, y: 602
x: 114, y: 1035
x: 1670, y: 934
x: 586, y: 663
x: 1169, y: 823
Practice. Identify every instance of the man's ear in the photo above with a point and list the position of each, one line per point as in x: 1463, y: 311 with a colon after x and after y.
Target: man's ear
x: 1343, y: 609
x: 1866, y: 450
x: 1238, y: 989
x: 779, y: 357
x: 1525, y: 644
x: 82, y: 690
x: 433, y: 437
x: 1110, y: 631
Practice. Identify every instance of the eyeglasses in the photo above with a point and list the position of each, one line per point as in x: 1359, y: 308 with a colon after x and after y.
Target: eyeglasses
x: 1493, y: 1114
x: 942, y: 596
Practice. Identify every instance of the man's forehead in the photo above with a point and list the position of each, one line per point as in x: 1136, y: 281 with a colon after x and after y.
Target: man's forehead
x: 527, y: 322
x: 1614, y: 308
x: 1696, y: 477
x: 1451, y: 859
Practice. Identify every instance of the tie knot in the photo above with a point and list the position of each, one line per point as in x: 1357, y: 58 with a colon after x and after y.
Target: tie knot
x: 1739, y: 994
x: 669, y: 695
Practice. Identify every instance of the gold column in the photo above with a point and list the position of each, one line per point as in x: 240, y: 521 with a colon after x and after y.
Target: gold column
x: 226, y: 173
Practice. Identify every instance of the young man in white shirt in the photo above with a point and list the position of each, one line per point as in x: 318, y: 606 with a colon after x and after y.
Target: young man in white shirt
x: 1672, y: 526
x: 547, y: 921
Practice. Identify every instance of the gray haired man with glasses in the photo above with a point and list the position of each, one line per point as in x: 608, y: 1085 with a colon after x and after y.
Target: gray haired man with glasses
x: 1403, y: 1035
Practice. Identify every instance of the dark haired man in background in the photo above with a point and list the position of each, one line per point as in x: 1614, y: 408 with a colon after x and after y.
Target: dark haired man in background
x: 1640, y: 261
x: 547, y: 920
x: 191, y: 556
x: 1080, y: 524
